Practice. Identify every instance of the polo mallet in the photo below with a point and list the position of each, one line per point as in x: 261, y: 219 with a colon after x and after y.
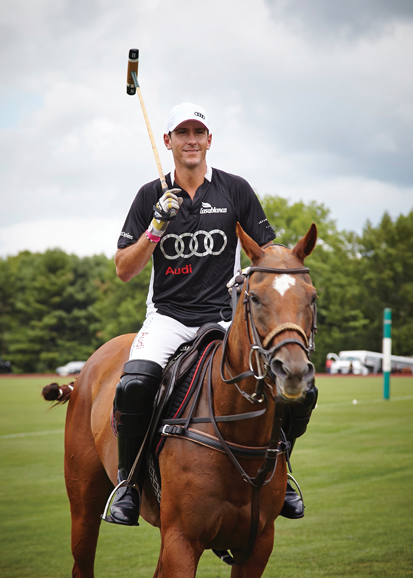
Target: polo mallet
x: 132, y: 86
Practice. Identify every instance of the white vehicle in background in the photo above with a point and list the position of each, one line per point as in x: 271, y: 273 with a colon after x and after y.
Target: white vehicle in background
x: 70, y: 368
x: 364, y: 362
x: 346, y: 364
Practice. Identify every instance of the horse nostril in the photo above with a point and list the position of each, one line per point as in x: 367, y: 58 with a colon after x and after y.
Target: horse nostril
x: 303, y: 371
x: 308, y: 376
x: 279, y: 369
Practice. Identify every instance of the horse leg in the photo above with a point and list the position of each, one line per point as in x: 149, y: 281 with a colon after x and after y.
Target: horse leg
x: 255, y: 565
x: 87, y: 505
x: 179, y: 556
x: 88, y: 487
x: 158, y: 566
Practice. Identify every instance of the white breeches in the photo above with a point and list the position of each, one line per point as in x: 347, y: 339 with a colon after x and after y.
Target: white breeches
x: 160, y: 336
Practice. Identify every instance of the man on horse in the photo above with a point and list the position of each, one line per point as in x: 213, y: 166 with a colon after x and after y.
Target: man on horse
x: 189, y: 232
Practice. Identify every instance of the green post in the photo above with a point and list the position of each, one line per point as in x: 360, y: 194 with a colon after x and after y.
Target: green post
x: 386, y: 352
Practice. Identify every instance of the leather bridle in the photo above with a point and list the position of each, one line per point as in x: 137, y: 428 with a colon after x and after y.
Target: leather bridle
x: 264, y: 356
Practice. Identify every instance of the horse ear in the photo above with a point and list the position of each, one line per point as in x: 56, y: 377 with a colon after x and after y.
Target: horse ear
x: 251, y: 248
x: 305, y: 246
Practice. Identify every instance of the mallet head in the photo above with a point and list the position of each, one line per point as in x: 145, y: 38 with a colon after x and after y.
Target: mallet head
x: 133, y: 62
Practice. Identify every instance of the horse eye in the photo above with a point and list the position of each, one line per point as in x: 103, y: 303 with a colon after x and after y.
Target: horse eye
x: 314, y: 299
x: 254, y: 298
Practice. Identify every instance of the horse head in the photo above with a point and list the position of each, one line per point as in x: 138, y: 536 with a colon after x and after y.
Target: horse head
x: 279, y: 303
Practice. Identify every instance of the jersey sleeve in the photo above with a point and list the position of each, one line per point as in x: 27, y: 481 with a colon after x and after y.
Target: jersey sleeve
x: 251, y: 215
x: 139, y: 216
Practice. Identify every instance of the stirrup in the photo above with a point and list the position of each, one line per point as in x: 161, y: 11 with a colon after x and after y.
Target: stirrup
x: 107, y: 517
x: 297, y: 487
x: 293, y: 507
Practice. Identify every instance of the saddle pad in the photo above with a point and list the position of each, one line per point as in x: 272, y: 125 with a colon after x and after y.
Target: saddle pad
x: 179, y: 401
x: 181, y: 397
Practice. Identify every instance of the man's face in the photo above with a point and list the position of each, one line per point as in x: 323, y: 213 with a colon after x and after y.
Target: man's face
x: 189, y: 143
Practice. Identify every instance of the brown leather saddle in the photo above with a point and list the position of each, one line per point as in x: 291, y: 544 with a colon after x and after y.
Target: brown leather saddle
x: 181, y: 377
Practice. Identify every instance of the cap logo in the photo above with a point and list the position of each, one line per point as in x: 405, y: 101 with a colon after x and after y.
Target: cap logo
x: 199, y: 114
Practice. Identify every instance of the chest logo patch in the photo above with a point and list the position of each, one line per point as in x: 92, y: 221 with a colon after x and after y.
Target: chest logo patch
x: 207, y: 208
x: 198, y: 244
x: 282, y: 283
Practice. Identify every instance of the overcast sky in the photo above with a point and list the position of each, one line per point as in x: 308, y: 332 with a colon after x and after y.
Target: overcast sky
x: 311, y: 101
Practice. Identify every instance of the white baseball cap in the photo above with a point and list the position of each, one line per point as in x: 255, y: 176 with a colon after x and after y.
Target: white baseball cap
x: 186, y: 111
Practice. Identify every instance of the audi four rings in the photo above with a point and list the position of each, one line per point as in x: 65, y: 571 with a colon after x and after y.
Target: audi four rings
x: 193, y: 244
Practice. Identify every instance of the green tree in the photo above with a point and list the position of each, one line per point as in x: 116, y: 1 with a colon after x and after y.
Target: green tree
x: 121, y: 307
x: 385, y: 268
x: 7, y: 294
x: 333, y: 266
x: 56, y: 307
x: 52, y: 319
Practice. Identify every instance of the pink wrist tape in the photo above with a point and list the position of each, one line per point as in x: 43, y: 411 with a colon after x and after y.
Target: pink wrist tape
x: 152, y: 238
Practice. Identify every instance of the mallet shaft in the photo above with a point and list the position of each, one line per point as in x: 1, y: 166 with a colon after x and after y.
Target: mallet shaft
x: 148, y: 126
x: 132, y: 86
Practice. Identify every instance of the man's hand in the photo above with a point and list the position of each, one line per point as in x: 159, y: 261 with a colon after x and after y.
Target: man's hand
x: 168, y: 205
x: 164, y: 211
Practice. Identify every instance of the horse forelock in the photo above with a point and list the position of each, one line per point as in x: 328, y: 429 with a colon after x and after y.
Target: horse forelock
x: 280, y: 257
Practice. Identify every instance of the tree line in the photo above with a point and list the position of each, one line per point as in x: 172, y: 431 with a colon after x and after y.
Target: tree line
x: 56, y: 307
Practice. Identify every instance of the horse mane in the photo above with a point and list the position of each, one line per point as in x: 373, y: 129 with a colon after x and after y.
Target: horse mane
x: 58, y: 393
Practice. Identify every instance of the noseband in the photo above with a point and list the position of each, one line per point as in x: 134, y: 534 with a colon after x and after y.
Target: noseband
x: 263, y: 355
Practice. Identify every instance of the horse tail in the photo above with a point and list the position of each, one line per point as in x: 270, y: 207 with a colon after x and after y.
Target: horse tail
x: 58, y: 393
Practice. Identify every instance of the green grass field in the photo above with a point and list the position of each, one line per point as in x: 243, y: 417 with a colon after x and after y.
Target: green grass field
x: 354, y: 465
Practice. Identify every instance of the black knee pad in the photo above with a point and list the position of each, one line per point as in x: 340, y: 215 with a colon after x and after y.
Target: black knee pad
x: 138, y: 385
x: 135, y: 395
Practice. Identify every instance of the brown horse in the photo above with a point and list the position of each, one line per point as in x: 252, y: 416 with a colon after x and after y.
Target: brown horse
x: 205, y: 502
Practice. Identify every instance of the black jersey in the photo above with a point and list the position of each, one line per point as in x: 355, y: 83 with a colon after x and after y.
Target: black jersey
x: 199, y: 252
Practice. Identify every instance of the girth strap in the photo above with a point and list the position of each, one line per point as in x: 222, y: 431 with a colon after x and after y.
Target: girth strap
x: 212, y: 442
x: 219, y: 418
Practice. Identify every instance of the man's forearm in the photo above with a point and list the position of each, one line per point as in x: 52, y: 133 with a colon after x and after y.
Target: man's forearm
x: 131, y: 260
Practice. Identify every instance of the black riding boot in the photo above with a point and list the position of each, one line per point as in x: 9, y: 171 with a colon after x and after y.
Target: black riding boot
x: 295, y: 425
x: 133, y: 406
x: 126, y: 505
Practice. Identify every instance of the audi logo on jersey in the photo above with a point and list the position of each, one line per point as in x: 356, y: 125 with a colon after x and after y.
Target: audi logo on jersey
x: 187, y: 244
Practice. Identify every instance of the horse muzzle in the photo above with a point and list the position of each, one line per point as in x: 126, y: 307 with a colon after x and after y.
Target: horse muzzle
x: 293, y: 376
